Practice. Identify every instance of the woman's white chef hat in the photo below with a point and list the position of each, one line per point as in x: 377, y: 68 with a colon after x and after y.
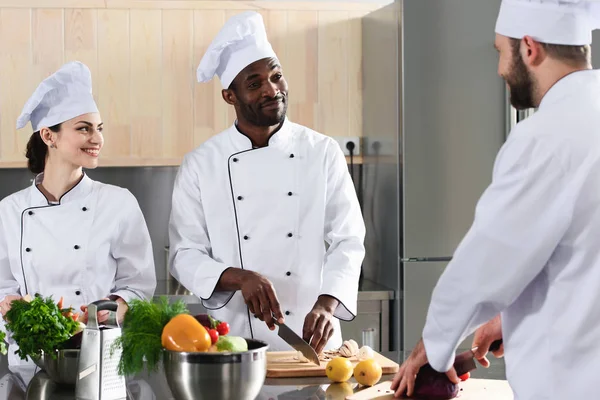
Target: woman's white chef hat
x: 241, y: 41
x: 566, y: 22
x: 64, y: 95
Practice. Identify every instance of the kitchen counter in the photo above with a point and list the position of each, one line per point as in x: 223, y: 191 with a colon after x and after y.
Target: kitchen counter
x: 151, y: 386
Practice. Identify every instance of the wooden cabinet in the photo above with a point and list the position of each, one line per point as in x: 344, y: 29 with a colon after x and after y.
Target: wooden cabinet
x: 143, y: 55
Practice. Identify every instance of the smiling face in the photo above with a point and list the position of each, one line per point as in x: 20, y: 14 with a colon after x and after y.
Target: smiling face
x: 260, y: 93
x: 79, y: 141
x: 512, y: 68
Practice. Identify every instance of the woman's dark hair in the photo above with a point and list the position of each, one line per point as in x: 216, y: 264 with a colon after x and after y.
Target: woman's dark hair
x: 37, y: 151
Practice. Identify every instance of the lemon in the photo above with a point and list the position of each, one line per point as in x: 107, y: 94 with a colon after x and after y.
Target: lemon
x: 339, y: 369
x: 367, y: 372
x: 337, y: 391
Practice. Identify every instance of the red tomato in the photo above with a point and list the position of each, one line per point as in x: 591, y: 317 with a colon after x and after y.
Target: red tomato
x: 214, y: 335
x: 223, y: 328
x: 465, y: 376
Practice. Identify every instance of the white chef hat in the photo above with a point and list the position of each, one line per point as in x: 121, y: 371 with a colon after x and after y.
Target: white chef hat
x: 62, y: 96
x: 241, y: 41
x: 566, y: 22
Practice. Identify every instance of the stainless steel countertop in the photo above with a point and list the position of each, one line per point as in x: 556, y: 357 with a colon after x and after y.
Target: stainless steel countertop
x: 368, y: 291
x: 149, y: 386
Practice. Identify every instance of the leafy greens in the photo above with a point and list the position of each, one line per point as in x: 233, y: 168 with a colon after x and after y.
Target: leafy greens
x: 38, y: 326
x: 141, y: 333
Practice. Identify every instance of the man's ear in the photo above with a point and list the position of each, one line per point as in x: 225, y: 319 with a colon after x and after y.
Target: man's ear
x: 532, y: 51
x: 229, y: 96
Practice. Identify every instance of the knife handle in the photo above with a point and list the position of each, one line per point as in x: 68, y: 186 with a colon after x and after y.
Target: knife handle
x: 496, y: 345
x: 464, y: 362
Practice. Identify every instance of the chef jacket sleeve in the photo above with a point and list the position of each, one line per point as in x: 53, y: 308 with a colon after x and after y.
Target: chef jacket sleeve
x: 190, y: 250
x: 8, y: 283
x: 519, y: 220
x: 344, y: 231
x: 132, y: 249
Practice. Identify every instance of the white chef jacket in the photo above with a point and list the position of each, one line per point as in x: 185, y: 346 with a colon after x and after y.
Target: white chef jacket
x: 271, y: 210
x: 533, y: 252
x: 92, y: 244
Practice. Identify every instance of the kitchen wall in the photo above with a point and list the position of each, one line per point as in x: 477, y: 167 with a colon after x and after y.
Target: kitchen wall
x: 143, y: 55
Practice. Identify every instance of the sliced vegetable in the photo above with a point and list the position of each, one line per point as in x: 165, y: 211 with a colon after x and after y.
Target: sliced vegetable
x: 464, y: 377
x: 433, y: 385
x: 185, y: 333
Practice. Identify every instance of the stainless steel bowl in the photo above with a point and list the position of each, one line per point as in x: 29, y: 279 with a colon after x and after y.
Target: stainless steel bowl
x: 62, y: 369
x: 217, y: 376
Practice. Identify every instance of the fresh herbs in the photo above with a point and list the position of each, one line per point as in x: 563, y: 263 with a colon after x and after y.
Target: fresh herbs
x: 141, y: 333
x: 38, y: 326
x: 2, y: 343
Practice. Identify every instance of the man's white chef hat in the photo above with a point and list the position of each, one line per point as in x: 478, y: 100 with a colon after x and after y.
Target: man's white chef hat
x: 241, y: 41
x: 566, y: 22
x: 64, y: 95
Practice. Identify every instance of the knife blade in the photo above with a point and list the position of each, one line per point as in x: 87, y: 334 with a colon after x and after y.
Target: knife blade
x: 292, y: 338
x: 465, y: 361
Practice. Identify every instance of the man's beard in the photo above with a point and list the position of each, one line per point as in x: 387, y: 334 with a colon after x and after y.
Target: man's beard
x: 256, y: 116
x: 521, y: 84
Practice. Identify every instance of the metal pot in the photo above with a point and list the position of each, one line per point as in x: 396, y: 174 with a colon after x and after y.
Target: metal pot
x: 217, y: 376
x: 62, y: 369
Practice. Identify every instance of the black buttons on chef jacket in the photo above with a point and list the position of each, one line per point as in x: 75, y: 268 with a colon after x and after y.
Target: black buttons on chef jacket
x: 290, y: 234
x: 30, y: 213
x: 292, y: 155
x: 28, y: 249
x: 288, y: 273
x: 235, y: 160
x: 287, y: 313
x: 246, y: 237
x: 84, y: 209
x: 290, y: 193
x: 76, y: 247
x: 240, y: 198
x: 78, y: 292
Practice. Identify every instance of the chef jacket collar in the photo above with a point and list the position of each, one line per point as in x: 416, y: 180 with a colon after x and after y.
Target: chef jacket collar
x: 242, y: 142
x: 79, y: 191
x: 567, y: 85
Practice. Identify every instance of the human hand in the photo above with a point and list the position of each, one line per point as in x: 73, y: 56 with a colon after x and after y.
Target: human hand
x: 318, y: 327
x: 484, y: 337
x: 261, y: 299
x: 404, y: 381
x: 103, y: 315
x: 6, y: 303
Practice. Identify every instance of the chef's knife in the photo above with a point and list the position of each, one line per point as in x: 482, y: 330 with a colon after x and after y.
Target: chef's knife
x: 292, y: 338
x: 465, y: 362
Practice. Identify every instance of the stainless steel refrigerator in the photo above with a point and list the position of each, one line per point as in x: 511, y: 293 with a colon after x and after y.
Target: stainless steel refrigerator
x: 435, y: 116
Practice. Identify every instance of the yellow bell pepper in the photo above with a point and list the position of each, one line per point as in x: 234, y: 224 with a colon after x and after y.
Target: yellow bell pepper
x: 184, y: 333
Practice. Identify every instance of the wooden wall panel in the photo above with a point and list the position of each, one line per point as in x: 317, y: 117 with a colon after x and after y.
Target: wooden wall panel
x: 210, y: 110
x: 143, y: 55
x: 146, y: 83
x: 177, y: 82
x: 15, y: 87
x: 333, y: 105
x: 113, y: 86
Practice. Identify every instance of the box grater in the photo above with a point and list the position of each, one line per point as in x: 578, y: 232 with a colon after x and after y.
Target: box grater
x: 97, y: 374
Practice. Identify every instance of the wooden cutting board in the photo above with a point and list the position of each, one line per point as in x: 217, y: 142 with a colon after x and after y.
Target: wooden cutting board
x: 471, y: 389
x: 281, y: 364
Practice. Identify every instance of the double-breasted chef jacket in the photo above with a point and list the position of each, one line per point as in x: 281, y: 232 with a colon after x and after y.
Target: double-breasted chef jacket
x: 288, y: 211
x: 91, y: 244
x: 533, y: 252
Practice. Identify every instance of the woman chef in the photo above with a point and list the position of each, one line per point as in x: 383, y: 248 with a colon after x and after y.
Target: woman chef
x: 67, y: 235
